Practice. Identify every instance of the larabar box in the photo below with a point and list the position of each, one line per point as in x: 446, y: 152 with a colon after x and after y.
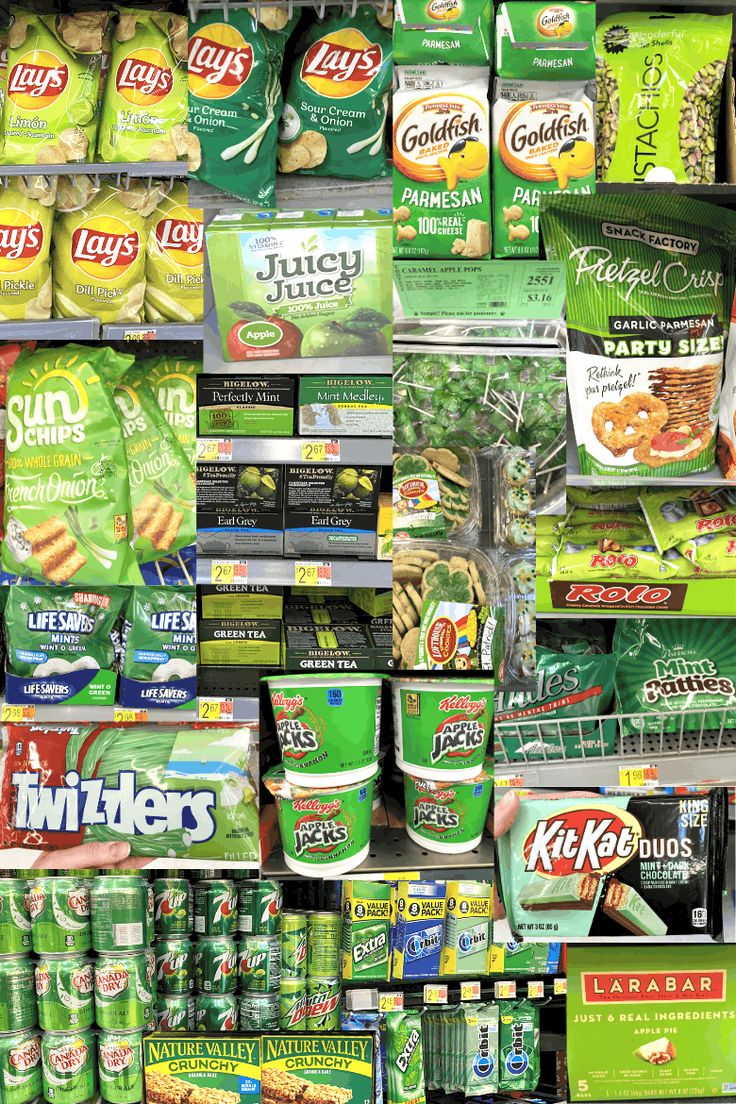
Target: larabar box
x: 180, y: 1066
x: 330, y: 1068
x: 648, y: 1023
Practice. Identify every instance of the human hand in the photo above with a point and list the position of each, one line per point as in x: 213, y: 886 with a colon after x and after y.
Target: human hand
x: 90, y: 856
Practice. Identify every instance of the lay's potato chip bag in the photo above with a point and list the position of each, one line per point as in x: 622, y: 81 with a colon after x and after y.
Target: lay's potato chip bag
x: 68, y: 517
x: 175, y: 261
x: 25, y: 246
x: 144, y: 109
x: 174, y: 383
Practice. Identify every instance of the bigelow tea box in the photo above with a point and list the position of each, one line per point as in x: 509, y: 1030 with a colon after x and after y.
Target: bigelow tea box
x: 339, y: 647
x: 331, y: 510
x: 298, y: 1065
x: 654, y: 1023
x: 238, y: 642
x: 346, y: 406
x: 239, y: 509
x: 249, y: 602
x: 245, y: 406
x: 176, y: 1064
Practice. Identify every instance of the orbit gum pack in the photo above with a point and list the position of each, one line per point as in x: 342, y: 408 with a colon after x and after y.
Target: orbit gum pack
x: 421, y: 908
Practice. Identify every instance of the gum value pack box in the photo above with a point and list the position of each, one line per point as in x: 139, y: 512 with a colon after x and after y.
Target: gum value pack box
x: 238, y: 642
x: 322, y: 1068
x: 651, y: 1022
x: 420, y: 910
x: 239, y: 509
x: 330, y: 510
x: 179, y: 1065
x: 245, y: 406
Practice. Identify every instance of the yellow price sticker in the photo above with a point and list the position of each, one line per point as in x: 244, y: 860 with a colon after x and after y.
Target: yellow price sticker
x: 321, y: 452
x: 228, y: 571
x: 435, y: 994
x: 215, y: 709
x: 497, y: 958
x: 514, y: 780
x: 535, y: 990
x: 214, y: 448
x: 312, y: 574
x: 17, y: 713
x: 128, y: 716
x: 390, y: 1002
x: 643, y: 777
x: 504, y: 990
x: 559, y: 987
x: 469, y: 990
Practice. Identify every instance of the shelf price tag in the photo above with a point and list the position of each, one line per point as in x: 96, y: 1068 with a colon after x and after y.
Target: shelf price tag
x: 17, y: 713
x: 390, y: 1002
x: 535, y: 990
x: 643, y: 777
x: 214, y: 448
x: 435, y: 994
x: 321, y: 452
x: 312, y: 574
x: 229, y: 571
x: 504, y: 990
x: 514, y: 780
x: 129, y: 716
x: 469, y: 990
x: 215, y: 709
x: 559, y: 987
x: 497, y: 957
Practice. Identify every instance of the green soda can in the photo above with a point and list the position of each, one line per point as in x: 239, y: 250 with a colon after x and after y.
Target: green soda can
x: 172, y: 904
x: 69, y: 1066
x: 260, y: 963
x: 64, y: 988
x: 324, y: 930
x: 216, y: 964
x: 174, y: 965
x: 20, y: 1066
x: 216, y: 1012
x: 120, y: 916
x: 259, y: 1012
x: 120, y: 1066
x: 294, y: 944
x: 175, y: 1012
x: 292, y: 1004
x: 17, y: 993
x: 215, y: 907
x: 59, y: 909
x: 123, y: 991
x: 15, y: 921
x: 259, y: 907
x: 323, y: 1004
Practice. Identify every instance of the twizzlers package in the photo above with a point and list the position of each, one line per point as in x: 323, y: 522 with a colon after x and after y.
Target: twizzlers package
x: 646, y: 865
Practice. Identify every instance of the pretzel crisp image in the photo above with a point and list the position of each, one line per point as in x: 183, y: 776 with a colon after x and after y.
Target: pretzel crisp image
x: 626, y: 424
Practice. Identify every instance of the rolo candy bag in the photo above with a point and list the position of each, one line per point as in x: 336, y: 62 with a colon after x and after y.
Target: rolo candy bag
x: 25, y: 248
x: 175, y: 261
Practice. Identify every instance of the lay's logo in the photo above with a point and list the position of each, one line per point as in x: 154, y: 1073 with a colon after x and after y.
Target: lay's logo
x: 37, y: 80
x: 144, y: 77
x: 586, y: 839
x: 21, y: 240
x: 104, y: 247
x: 182, y: 239
x: 341, y: 64
x: 220, y: 62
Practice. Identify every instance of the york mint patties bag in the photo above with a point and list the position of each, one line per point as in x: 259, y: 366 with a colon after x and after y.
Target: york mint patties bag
x: 235, y: 98
x: 649, y: 288
x: 404, y: 1058
x: 174, y: 383
x: 334, y: 114
x: 659, y: 95
x: 175, y: 260
x: 159, y: 659
x: 615, y: 866
x: 67, y: 501
x: 518, y: 1045
x: 442, y: 31
x: 52, y: 84
x: 144, y: 108
x: 25, y: 248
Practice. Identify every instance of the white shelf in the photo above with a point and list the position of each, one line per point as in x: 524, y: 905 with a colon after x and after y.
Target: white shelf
x: 153, y: 331
x: 275, y: 571
x: 296, y: 193
x: 133, y: 169
x: 242, y: 711
x: 289, y: 450
x: 55, y: 329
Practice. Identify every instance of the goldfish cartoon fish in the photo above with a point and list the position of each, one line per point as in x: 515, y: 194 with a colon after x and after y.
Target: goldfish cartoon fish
x: 466, y: 160
x: 575, y: 160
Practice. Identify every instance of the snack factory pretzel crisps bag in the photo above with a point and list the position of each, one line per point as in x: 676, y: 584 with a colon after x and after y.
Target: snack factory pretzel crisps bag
x: 235, y: 98
x: 67, y: 503
x: 52, y: 84
x: 442, y: 31
x: 175, y: 260
x: 144, y: 108
x: 334, y: 114
x: 649, y: 284
x: 25, y: 248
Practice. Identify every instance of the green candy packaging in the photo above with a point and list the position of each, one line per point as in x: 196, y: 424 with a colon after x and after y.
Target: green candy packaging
x: 174, y: 383
x: 686, y: 513
x: 159, y: 648
x: 442, y: 31
x: 518, y: 1045
x: 404, y: 1058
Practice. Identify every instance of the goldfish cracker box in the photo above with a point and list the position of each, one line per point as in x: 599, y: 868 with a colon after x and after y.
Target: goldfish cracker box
x: 419, y: 929
x: 301, y: 284
x: 543, y: 115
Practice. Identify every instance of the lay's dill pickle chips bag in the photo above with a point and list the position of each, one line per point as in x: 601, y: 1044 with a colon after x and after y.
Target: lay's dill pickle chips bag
x: 52, y: 84
x: 174, y: 383
x: 144, y: 109
x: 175, y: 261
x: 67, y: 501
x: 25, y: 246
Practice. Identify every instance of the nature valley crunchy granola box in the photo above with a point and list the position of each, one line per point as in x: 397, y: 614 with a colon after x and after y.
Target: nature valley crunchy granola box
x: 215, y: 1067
x: 330, y: 1068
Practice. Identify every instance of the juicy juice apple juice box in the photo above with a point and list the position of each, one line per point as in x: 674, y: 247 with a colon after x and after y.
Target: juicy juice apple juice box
x: 300, y: 284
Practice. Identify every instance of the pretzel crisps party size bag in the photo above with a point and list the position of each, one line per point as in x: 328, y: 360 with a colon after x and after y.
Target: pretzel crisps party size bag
x: 649, y: 286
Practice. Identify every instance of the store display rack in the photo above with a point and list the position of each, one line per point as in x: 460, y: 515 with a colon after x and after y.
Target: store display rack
x: 148, y: 170
x: 91, y: 329
x: 294, y: 450
x: 319, y: 6
x: 297, y: 193
x: 207, y: 708
x: 275, y: 571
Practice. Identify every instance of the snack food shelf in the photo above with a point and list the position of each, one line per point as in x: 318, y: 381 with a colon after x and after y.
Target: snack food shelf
x: 294, y: 450
x: 119, y: 169
x: 296, y: 193
x: 276, y: 571
x: 350, y: 6
x: 365, y: 999
x: 206, y: 708
x: 90, y: 329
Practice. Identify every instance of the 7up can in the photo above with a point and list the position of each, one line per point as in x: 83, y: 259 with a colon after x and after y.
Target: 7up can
x: 175, y: 1013
x: 173, y: 906
x: 292, y: 1004
x: 17, y: 993
x: 59, y: 910
x: 215, y: 907
x: 294, y: 944
x: 120, y: 1066
x: 259, y: 1012
x: 216, y: 964
x: 20, y: 1066
x: 323, y: 1004
x: 15, y: 923
x: 69, y: 1065
x: 64, y: 986
x: 260, y: 963
x: 259, y: 908
x: 216, y: 1012
x: 120, y: 913
x: 174, y: 965
x: 123, y: 991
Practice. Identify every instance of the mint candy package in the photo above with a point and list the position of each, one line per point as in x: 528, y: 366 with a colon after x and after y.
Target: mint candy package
x: 159, y: 648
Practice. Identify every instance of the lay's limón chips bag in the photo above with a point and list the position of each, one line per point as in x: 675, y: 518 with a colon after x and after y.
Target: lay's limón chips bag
x: 25, y: 246
x: 175, y: 261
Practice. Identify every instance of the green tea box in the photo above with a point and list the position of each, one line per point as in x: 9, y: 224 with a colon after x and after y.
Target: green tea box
x: 251, y: 602
x: 319, y: 1067
x: 239, y: 509
x: 338, y: 647
x: 346, y: 406
x: 331, y: 510
x: 237, y: 642
x: 245, y: 406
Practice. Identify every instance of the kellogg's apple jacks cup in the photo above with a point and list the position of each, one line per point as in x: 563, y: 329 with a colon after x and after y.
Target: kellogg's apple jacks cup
x: 448, y: 817
x: 441, y: 726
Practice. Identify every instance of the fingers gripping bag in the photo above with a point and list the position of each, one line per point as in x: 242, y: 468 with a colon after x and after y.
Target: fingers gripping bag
x: 53, y: 78
x: 235, y: 98
x: 144, y: 108
x: 174, y: 383
x: 25, y: 251
x: 67, y: 504
x: 175, y: 261
x: 649, y: 287
x: 335, y: 108
x: 159, y: 654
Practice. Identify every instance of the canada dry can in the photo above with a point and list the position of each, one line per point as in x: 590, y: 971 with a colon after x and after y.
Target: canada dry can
x: 259, y: 1012
x: 260, y: 963
x: 215, y: 907
x: 120, y: 916
x: 293, y: 1004
x: 17, y: 993
x: 15, y: 920
x: 123, y: 991
x: 294, y: 944
x: 216, y: 964
x: 20, y: 1066
x: 323, y: 944
x: 64, y: 991
x: 259, y: 908
x: 120, y: 1066
x: 69, y: 1064
x: 323, y: 1004
x: 173, y: 906
x: 175, y: 1012
x: 174, y: 965
x: 216, y: 1012
x: 59, y: 910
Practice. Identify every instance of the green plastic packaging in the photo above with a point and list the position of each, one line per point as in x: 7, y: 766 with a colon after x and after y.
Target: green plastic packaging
x: 159, y: 636
x: 519, y: 1045
x: 174, y: 383
x: 443, y: 31
x: 404, y: 1058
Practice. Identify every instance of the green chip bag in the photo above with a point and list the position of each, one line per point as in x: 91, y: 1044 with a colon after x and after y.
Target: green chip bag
x: 144, y: 109
x: 175, y: 261
x: 455, y: 31
x: 52, y: 84
x: 25, y: 248
x: 174, y: 383
x: 235, y: 98
x: 335, y: 108
x: 67, y: 501
x: 161, y: 475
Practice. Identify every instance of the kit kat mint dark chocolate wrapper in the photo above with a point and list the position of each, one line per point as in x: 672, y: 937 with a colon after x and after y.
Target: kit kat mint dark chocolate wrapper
x: 647, y: 865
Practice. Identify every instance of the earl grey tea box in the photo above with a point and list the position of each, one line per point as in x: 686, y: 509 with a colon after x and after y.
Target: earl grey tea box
x: 239, y: 509
x: 246, y: 406
x: 331, y: 510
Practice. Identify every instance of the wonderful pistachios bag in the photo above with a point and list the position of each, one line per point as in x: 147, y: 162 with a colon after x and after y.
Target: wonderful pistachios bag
x: 235, y: 98
x: 25, y: 250
x: 159, y: 661
x: 174, y: 383
x: 175, y: 260
x: 52, y: 84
